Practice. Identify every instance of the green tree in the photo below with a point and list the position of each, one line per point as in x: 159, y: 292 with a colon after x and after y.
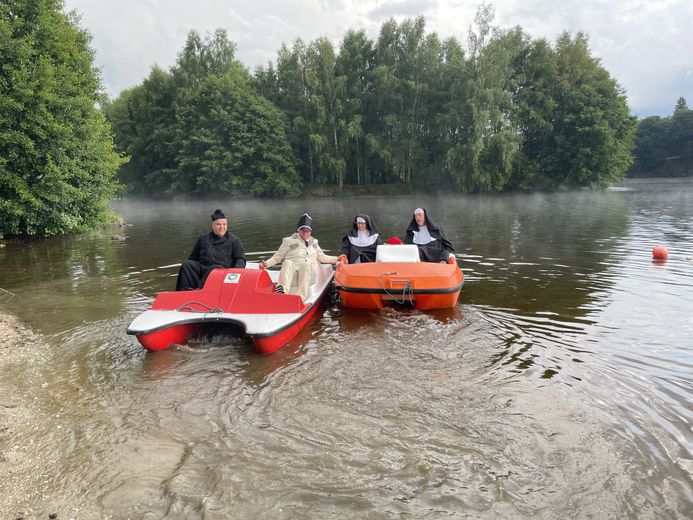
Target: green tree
x: 354, y: 64
x: 535, y: 101
x: 594, y: 130
x: 681, y: 133
x: 232, y: 141
x: 446, y: 107
x: 513, y: 113
x: 325, y: 91
x: 200, y: 58
x: 203, y: 129
x: 664, y: 145
x: 403, y: 59
x: 651, y: 145
x: 144, y: 123
x: 483, y: 159
x: 57, y: 161
x: 286, y: 87
x: 681, y: 106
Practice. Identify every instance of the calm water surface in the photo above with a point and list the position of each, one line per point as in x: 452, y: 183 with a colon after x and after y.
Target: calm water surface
x: 559, y: 387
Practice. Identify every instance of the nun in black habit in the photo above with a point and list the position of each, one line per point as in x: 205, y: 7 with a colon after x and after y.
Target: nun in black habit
x: 361, y: 243
x: 434, y: 245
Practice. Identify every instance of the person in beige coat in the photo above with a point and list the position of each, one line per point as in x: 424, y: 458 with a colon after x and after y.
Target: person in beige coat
x: 299, y: 255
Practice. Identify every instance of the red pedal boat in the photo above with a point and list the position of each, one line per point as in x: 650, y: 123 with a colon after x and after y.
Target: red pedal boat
x: 242, y: 297
x: 397, y: 276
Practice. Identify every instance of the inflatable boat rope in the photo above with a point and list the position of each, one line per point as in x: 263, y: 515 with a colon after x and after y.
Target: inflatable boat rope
x: 407, y: 291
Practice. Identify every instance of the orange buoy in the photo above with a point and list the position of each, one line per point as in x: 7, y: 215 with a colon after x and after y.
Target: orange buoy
x: 660, y: 253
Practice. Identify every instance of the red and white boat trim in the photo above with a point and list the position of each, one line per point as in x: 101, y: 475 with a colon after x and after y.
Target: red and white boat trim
x: 242, y: 297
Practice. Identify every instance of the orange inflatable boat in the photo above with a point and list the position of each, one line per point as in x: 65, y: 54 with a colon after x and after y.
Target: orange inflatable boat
x: 397, y: 276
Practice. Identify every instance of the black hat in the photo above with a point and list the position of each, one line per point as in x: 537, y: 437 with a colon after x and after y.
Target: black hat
x: 305, y: 222
x: 218, y: 214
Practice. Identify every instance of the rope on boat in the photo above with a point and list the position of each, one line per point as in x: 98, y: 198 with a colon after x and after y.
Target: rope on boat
x: 407, y: 291
x: 208, y: 309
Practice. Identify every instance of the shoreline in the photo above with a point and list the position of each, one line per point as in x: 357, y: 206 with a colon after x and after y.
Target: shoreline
x: 12, y: 330
x: 23, y: 476
x: 18, y: 413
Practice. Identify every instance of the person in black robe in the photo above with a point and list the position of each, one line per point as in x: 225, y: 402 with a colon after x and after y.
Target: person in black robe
x: 218, y: 248
x: 360, y: 245
x: 433, y: 244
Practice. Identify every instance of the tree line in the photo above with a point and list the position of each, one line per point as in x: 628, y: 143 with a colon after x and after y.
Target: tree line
x: 664, y: 145
x: 407, y: 108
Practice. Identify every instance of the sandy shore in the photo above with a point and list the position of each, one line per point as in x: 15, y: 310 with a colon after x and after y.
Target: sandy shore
x: 18, y: 411
x: 27, y: 484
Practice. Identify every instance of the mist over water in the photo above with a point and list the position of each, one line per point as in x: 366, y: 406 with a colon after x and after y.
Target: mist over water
x: 560, y: 386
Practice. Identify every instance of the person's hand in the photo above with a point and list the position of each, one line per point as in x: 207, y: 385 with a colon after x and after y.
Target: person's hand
x: 263, y: 265
x: 342, y: 259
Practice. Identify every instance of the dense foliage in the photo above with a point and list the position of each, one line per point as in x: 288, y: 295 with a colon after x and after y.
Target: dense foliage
x: 57, y: 163
x: 407, y: 108
x: 203, y: 129
x: 511, y: 113
x: 664, y: 145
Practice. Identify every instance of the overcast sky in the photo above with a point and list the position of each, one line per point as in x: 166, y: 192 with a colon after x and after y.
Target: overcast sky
x: 647, y: 46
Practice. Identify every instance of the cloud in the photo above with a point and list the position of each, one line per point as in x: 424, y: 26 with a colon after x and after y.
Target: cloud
x: 645, y: 45
x: 402, y: 8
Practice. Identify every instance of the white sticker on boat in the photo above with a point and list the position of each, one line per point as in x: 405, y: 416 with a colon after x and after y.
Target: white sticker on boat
x: 232, y: 278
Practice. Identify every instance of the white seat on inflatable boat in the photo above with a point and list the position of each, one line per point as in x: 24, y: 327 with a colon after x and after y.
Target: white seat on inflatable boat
x: 397, y: 253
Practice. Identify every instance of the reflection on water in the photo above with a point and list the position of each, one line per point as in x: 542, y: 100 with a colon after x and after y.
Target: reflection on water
x: 560, y: 385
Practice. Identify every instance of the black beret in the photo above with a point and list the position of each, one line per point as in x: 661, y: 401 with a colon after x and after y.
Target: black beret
x: 218, y: 214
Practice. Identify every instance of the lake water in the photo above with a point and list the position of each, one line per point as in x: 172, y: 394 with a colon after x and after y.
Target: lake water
x: 560, y: 386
